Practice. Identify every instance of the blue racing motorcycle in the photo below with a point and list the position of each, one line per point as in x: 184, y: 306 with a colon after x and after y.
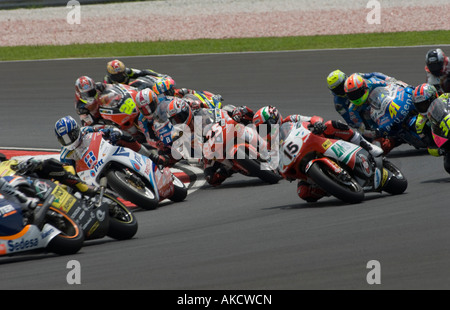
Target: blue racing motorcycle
x: 394, y: 115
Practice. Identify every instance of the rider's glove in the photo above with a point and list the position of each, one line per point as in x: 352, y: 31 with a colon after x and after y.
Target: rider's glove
x: 318, y: 128
x: 161, y: 160
x: 112, y: 134
x: 30, y: 165
x: 243, y: 113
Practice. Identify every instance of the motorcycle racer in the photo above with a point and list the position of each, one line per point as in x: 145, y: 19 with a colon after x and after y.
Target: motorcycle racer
x: 335, y: 83
x: 10, y: 192
x: 117, y: 72
x: 437, y: 69
x: 423, y: 96
x: 70, y: 135
x: 330, y: 129
x: 357, y: 90
x: 87, y: 93
x: 179, y: 113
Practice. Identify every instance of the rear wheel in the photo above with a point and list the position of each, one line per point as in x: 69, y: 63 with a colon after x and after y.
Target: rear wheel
x: 132, y: 187
x: 122, y: 222
x: 180, y: 190
x: 341, y: 186
x: 71, y: 238
x: 254, y: 168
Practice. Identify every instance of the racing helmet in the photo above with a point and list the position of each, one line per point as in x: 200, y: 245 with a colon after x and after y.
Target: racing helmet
x: 437, y: 111
x: 117, y: 71
x: 423, y: 96
x: 356, y: 88
x: 336, y: 81
x: 85, y: 88
x: 146, y: 102
x: 179, y: 112
x: 68, y: 132
x: 268, y: 115
x: 164, y: 86
x: 435, y: 60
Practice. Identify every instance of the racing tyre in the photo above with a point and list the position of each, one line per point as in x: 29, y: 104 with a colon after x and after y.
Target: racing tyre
x: 397, y: 183
x: 180, y: 190
x: 122, y: 222
x: 253, y: 166
x: 345, y: 189
x: 71, y: 238
x: 132, y: 187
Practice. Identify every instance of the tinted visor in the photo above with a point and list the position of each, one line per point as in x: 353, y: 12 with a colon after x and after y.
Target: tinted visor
x: 423, y: 106
x: 69, y: 138
x: 435, y: 67
x: 356, y: 94
x: 180, y: 118
x: 119, y: 77
x: 89, y: 94
x: 339, y: 90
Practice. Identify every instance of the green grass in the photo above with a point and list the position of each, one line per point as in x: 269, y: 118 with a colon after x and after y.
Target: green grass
x: 226, y: 45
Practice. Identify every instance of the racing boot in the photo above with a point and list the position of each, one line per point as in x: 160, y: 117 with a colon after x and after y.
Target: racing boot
x: 309, y: 192
x: 374, y: 150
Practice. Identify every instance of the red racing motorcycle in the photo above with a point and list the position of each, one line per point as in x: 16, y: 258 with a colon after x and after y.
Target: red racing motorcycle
x: 340, y: 168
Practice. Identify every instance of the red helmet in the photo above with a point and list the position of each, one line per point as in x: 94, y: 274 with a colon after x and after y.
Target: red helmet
x: 179, y: 112
x: 85, y: 88
x: 146, y: 102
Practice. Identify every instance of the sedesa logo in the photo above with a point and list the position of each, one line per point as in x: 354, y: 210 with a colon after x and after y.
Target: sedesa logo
x: 22, y: 245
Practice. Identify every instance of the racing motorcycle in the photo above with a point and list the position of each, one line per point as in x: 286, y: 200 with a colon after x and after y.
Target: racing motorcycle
x: 235, y: 146
x: 439, y: 116
x: 117, y: 107
x: 133, y: 176
x: 393, y: 112
x: 98, y: 216
x: 340, y: 168
x: 45, y: 228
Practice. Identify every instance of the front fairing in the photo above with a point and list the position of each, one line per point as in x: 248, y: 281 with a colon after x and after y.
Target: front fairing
x: 389, y: 107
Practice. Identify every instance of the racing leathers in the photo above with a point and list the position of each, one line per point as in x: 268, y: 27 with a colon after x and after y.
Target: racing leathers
x: 342, y: 103
x: 115, y: 137
x: 132, y: 74
x: 88, y: 110
x: 441, y: 82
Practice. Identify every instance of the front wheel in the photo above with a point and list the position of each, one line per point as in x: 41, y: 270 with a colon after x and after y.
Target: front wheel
x: 130, y: 186
x: 343, y: 187
x: 122, y: 222
x: 71, y: 238
x: 397, y: 183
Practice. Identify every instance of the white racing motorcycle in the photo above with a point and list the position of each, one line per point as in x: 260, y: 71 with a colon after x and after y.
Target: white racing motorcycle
x: 133, y: 176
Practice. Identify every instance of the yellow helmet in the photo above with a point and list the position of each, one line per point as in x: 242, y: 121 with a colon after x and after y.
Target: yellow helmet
x: 116, y: 70
x: 335, y: 81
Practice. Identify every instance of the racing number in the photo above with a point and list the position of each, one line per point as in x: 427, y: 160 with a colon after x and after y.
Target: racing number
x: 445, y: 125
x: 292, y: 148
x: 128, y: 106
x: 393, y: 109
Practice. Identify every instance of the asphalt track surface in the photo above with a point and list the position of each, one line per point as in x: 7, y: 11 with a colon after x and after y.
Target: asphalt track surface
x: 245, y: 234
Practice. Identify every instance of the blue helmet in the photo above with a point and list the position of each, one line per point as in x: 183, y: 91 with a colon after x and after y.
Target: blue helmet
x: 67, y: 132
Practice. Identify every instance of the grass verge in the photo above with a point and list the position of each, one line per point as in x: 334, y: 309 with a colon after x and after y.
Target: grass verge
x: 225, y: 45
